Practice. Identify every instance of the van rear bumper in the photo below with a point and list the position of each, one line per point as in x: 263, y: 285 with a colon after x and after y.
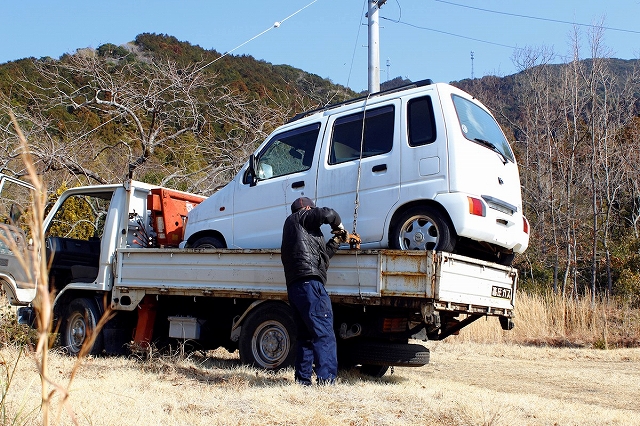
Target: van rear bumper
x: 496, y: 227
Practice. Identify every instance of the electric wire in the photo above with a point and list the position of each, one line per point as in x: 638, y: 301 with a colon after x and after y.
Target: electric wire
x: 355, y: 45
x: 449, y: 33
x: 559, y: 21
x: 275, y: 25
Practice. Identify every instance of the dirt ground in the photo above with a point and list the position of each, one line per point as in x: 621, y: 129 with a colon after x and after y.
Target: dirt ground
x: 562, y: 385
x: 465, y: 384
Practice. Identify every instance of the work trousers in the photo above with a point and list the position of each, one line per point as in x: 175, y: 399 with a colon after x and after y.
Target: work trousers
x: 316, y: 338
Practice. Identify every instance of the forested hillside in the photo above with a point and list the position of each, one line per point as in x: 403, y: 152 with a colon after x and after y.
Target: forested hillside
x: 163, y: 110
x: 168, y: 112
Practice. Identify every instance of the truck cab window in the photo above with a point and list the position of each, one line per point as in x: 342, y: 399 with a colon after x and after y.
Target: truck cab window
x: 348, y: 135
x: 80, y: 217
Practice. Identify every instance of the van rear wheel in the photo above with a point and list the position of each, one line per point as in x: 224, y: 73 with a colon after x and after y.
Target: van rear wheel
x: 422, y: 228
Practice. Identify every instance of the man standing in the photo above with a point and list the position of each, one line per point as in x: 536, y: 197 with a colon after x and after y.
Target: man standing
x: 305, y: 257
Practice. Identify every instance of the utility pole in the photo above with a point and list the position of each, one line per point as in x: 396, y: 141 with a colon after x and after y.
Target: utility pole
x: 374, y: 45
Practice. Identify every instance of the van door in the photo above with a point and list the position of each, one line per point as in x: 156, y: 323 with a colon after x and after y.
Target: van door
x: 376, y: 177
x: 285, y: 170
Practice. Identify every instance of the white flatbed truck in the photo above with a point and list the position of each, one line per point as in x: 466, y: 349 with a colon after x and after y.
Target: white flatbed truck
x: 236, y: 298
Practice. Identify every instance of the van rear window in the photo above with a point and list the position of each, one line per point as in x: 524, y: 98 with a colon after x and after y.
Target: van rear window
x: 422, y: 123
x: 480, y: 127
x: 348, y: 135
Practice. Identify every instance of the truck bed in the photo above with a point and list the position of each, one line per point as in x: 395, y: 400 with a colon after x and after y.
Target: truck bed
x: 373, y: 277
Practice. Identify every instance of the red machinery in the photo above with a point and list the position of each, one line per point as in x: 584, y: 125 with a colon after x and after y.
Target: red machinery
x: 169, y: 210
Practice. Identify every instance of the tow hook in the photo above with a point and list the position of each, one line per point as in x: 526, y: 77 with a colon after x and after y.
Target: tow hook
x: 507, y: 323
x: 349, y: 332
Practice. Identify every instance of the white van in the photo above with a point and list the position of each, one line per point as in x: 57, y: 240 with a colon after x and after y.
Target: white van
x: 422, y: 167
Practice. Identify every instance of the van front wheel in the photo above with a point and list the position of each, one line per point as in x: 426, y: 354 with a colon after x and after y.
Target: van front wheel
x: 421, y: 228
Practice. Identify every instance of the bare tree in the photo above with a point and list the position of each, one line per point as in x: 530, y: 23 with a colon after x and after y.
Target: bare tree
x: 156, y: 103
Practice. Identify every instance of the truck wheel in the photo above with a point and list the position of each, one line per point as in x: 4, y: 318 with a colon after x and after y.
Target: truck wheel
x: 268, y: 336
x: 376, y: 371
x: 208, y: 242
x: 387, y: 354
x: 506, y: 259
x: 78, y: 324
x: 421, y: 228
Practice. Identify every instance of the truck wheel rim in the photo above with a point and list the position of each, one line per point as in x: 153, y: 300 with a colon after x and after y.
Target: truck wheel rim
x: 419, y: 233
x: 76, y: 332
x: 270, y: 344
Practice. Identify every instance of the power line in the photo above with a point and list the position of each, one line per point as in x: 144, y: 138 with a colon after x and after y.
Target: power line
x: 449, y: 33
x: 275, y: 25
x: 538, y: 18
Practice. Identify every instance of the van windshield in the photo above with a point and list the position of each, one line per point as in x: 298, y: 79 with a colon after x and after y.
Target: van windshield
x: 480, y: 127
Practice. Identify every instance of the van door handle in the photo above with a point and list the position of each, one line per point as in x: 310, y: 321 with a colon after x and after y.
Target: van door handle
x: 379, y: 168
x: 298, y: 184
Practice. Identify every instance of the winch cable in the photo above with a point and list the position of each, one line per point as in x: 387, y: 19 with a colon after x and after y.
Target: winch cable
x: 357, y: 195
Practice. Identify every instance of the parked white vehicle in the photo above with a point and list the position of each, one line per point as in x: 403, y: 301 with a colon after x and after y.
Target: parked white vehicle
x: 421, y: 167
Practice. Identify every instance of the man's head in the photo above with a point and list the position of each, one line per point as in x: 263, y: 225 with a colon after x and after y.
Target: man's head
x: 301, y: 203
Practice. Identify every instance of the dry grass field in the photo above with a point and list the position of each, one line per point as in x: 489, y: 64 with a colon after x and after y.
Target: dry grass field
x: 465, y: 384
x: 565, y: 363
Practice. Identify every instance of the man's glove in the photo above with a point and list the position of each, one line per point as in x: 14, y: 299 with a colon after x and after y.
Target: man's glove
x: 340, y: 235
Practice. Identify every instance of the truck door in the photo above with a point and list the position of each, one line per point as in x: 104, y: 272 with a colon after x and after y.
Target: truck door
x: 285, y: 170
x: 377, y: 175
x: 15, y: 209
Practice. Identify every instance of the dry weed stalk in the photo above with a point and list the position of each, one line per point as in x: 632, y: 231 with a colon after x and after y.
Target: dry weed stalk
x: 35, y: 264
x: 552, y: 319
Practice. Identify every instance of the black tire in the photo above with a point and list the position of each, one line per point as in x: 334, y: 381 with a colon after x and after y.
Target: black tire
x: 388, y: 354
x: 268, y: 337
x: 506, y: 259
x: 208, y: 242
x: 376, y: 371
x: 79, y: 323
x: 421, y: 228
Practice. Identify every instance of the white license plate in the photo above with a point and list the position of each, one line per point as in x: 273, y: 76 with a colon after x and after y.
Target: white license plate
x: 501, y: 292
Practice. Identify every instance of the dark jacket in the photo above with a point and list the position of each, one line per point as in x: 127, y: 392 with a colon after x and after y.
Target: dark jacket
x: 304, y: 252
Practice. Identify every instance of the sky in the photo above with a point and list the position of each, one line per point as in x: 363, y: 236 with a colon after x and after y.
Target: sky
x: 419, y: 39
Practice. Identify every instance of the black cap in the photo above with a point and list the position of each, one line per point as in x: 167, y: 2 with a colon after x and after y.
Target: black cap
x: 300, y: 203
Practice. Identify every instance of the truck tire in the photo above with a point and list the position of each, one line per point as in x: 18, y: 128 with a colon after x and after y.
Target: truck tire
x: 421, y: 228
x: 376, y: 371
x: 388, y: 354
x: 79, y: 322
x: 208, y: 242
x: 268, y: 337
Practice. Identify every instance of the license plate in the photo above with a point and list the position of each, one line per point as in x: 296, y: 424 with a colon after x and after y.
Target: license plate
x: 503, y: 293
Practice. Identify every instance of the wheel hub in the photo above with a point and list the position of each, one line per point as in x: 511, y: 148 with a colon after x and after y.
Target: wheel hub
x: 272, y: 344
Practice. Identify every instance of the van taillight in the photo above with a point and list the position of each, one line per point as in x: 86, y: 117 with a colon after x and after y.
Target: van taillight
x: 525, y: 225
x: 476, y: 207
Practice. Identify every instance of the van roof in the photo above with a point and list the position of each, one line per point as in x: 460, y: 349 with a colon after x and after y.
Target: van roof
x: 413, y: 85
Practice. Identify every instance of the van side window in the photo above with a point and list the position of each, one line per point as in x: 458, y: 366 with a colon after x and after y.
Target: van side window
x: 422, y: 123
x: 288, y: 152
x: 347, y: 135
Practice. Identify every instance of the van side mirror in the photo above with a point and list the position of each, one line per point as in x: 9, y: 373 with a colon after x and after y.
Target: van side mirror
x: 252, y: 178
